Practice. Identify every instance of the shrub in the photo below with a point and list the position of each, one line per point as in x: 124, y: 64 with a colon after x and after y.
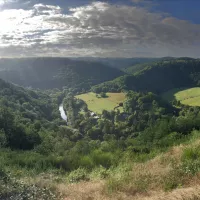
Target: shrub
x: 191, y: 160
x: 86, y: 162
x: 191, y: 154
x: 189, y: 167
x: 28, y: 160
x: 119, y: 178
x: 69, y: 162
x: 78, y: 175
x: 99, y: 173
x: 102, y: 158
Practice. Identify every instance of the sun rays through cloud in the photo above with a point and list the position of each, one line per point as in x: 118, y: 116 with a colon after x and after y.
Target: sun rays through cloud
x: 95, y: 29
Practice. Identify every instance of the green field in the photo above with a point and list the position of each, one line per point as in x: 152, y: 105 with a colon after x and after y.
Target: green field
x: 97, y: 104
x: 189, y: 96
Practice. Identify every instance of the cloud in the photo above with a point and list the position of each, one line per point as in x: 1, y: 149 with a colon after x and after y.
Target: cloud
x: 97, y: 29
x: 137, y: 1
x: 4, y: 2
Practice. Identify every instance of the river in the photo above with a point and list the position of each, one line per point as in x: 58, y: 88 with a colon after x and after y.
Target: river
x: 62, y: 112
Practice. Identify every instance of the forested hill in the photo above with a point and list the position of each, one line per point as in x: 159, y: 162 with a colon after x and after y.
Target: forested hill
x: 48, y: 73
x: 158, y: 77
x: 120, y: 63
x: 140, y: 66
x: 23, y: 112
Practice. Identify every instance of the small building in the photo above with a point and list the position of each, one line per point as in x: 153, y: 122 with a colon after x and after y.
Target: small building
x: 94, y: 115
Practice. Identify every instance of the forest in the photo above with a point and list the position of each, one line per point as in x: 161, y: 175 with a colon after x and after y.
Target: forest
x: 39, y: 150
x: 156, y: 77
x: 50, y: 73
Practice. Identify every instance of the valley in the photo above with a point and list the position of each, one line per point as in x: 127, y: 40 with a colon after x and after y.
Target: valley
x: 49, y: 73
x: 99, y: 100
x: 83, y: 130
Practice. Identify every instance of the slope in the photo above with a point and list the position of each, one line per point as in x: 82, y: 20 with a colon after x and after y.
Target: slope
x: 120, y: 63
x: 48, y: 73
x: 20, y: 110
x: 158, y: 77
x: 146, y: 63
x: 170, y: 175
x: 26, y: 102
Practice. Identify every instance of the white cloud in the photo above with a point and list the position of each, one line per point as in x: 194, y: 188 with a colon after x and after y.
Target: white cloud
x: 99, y: 29
x: 3, y: 2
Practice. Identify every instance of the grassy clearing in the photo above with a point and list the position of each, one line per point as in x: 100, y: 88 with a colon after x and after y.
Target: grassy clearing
x: 189, y: 96
x: 98, y: 104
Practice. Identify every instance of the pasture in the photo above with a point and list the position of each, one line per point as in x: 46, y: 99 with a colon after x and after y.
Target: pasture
x: 98, y: 104
x: 190, y: 96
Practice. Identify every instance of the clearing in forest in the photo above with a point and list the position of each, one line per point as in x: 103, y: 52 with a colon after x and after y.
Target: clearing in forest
x: 97, y: 104
x: 189, y: 96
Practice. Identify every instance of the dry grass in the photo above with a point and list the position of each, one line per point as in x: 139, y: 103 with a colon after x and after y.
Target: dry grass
x: 190, y: 193
x: 83, y: 191
x: 144, y: 182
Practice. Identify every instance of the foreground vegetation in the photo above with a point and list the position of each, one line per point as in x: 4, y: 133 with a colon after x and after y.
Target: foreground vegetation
x: 173, y: 174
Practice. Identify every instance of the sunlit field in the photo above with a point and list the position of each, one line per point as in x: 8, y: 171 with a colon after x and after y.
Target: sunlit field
x: 189, y: 96
x: 98, y: 104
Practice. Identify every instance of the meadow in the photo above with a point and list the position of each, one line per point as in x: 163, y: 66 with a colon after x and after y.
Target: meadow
x: 97, y: 104
x: 190, y: 96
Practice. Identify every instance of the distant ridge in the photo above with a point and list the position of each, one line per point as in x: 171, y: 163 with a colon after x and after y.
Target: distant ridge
x: 49, y: 73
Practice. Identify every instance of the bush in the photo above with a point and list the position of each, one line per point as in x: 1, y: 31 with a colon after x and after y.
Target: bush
x: 191, y: 160
x: 78, y: 175
x: 189, y: 167
x: 103, y: 95
x: 191, y: 154
x: 102, y: 158
x: 28, y: 160
x: 99, y: 173
x: 119, y: 177
x: 86, y: 162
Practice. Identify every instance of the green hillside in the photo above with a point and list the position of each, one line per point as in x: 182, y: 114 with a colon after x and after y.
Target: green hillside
x: 120, y: 63
x: 158, y: 77
x: 22, y: 112
x: 135, y: 68
x: 49, y: 73
x: 145, y: 64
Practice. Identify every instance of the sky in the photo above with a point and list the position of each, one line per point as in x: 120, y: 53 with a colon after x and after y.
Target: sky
x: 89, y: 28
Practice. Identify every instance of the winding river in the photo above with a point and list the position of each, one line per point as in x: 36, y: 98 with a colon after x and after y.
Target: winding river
x: 62, y: 112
